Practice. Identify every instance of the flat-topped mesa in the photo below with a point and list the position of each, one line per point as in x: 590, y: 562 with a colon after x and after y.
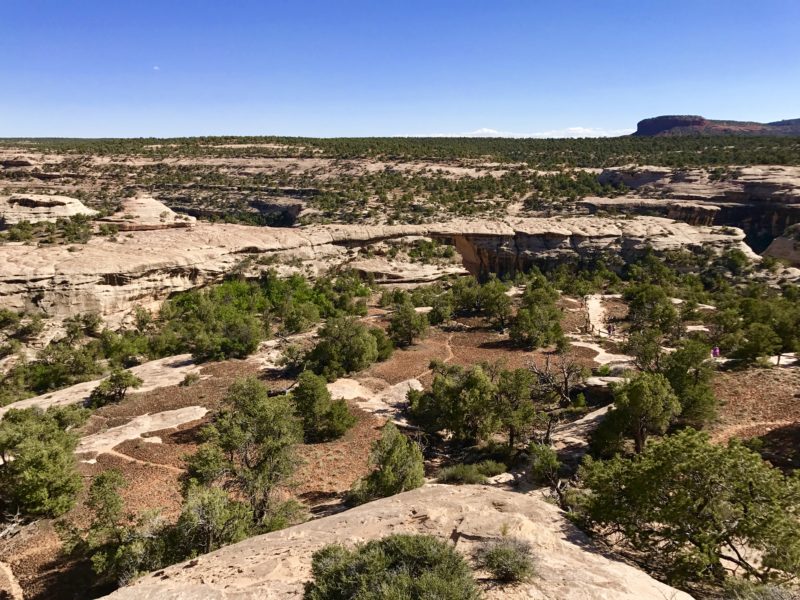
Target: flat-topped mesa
x: 145, y: 267
x: 694, y: 125
x: 145, y: 212
x: 663, y: 124
x: 35, y: 208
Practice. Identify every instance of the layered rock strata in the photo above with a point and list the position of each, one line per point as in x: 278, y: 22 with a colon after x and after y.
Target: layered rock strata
x: 145, y: 267
x: 761, y: 200
x: 40, y: 207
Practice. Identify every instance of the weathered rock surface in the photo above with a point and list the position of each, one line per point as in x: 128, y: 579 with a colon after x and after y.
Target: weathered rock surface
x: 144, y: 213
x: 761, y: 200
x: 786, y: 247
x: 694, y: 213
x: 40, y: 207
x: 145, y: 267
x: 154, y: 374
x: 275, y: 566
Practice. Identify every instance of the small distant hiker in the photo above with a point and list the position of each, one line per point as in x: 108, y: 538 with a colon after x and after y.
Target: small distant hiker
x: 715, y: 353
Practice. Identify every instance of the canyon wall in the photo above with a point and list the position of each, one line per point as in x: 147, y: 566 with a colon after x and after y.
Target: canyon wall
x: 147, y: 266
x: 761, y: 200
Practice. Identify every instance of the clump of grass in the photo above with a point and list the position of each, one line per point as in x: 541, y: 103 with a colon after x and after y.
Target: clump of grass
x: 471, y: 473
x: 190, y: 379
x: 508, y: 559
x: 736, y: 589
x: 490, y: 468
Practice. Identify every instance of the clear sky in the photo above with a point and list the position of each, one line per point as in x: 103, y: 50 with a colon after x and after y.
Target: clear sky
x: 94, y: 68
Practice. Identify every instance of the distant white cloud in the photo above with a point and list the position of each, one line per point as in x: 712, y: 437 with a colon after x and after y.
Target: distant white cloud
x: 569, y: 132
x: 156, y: 68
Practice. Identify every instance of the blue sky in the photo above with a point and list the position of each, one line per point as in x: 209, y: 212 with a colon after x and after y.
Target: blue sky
x: 134, y: 68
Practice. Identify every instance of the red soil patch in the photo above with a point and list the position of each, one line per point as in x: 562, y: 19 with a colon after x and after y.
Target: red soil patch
x: 331, y: 468
x: 755, y: 402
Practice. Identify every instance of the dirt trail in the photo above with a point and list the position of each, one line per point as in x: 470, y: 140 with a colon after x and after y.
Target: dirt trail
x: 449, y: 347
x: 597, y: 313
x: 13, y: 587
x: 146, y: 463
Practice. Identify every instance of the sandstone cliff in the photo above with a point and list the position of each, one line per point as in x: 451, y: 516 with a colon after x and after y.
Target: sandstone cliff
x: 144, y: 212
x: 40, y: 207
x: 761, y: 200
x: 145, y: 267
x: 786, y: 247
x: 275, y: 566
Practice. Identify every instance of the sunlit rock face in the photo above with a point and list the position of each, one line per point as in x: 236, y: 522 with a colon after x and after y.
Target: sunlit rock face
x: 276, y: 565
x: 147, y: 266
x: 761, y: 200
x: 36, y: 208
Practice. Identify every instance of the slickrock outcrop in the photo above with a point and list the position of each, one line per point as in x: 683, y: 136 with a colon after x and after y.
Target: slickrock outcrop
x: 786, y: 247
x: 275, y: 566
x: 40, y: 207
x: 761, y: 200
x: 694, y: 213
x: 145, y: 212
x: 145, y: 267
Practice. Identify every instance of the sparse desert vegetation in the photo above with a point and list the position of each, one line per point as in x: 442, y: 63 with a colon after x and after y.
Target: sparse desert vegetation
x: 474, y: 339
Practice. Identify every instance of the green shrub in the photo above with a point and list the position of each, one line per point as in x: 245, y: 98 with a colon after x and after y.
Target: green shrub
x: 397, y: 466
x: 345, y: 346
x: 474, y: 473
x: 461, y: 401
x: 407, y: 324
x: 738, y: 589
x: 412, y: 567
x: 190, y: 379
x: 544, y: 464
x: 538, y: 321
x: 9, y: 319
x: 114, y: 388
x: 696, y: 507
x: 300, y: 316
x: 491, y: 468
x: 251, y: 447
x: 457, y: 474
x: 508, y: 559
x: 383, y: 342
x: 323, y: 418
x: 441, y: 309
x: 38, y: 477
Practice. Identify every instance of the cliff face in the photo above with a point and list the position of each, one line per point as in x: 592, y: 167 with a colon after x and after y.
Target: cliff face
x: 684, y: 125
x: 40, y: 207
x: 786, y: 247
x: 693, y: 213
x: 762, y: 201
x: 145, y: 267
x: 660, y: 125
x: 275, y: 566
